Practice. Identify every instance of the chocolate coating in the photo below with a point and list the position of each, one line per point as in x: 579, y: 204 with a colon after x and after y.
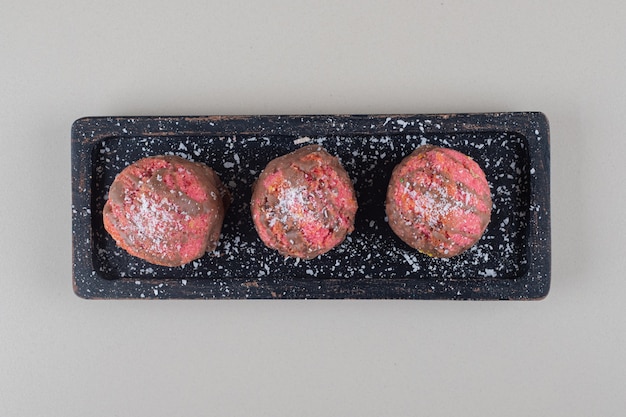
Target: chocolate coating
x: 303, y: 203
x: 166, y: 210
x: 438, y: 201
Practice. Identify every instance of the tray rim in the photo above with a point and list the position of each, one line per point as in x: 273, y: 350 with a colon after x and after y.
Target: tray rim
x: 88, y: 132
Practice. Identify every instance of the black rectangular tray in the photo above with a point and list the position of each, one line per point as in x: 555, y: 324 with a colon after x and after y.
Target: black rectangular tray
x: 511, y: 261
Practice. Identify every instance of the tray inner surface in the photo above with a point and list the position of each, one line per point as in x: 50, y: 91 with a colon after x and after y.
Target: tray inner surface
x: 371, y: 251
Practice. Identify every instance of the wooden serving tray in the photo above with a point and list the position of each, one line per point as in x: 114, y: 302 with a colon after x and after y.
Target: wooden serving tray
x: 511, y: 261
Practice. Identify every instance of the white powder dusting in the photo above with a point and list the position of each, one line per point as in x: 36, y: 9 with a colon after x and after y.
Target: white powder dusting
x: 292, y: 205
x: 153, y: 220
x: 433, y: 203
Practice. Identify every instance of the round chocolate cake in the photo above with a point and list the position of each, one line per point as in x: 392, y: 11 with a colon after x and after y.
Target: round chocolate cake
x: 303, y: 203
x: 166, y: 210
x: 438, y: 201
